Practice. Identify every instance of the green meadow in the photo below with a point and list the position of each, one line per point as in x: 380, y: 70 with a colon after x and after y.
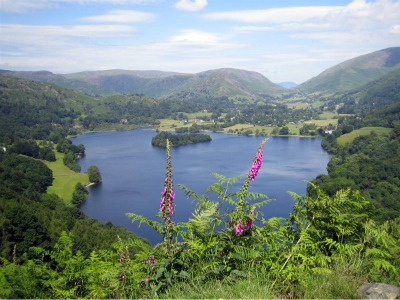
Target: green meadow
x: 64, y: 179
x: 349, y: 137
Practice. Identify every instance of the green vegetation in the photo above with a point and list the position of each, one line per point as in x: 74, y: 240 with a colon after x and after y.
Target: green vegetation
x: 160, y: 140
x: 351, y: 136
x: 343, y: 232
x: 354, y: 73
x: 65, y: 179
x: 79, y: 195
x: 94, y: 174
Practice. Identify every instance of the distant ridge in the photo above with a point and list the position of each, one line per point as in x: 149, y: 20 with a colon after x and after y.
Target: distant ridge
x: 226, y: 82
x: 354, y: 73
x: 235, y: 84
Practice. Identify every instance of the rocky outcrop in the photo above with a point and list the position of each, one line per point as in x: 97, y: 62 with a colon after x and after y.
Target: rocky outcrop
x: 379, y: 291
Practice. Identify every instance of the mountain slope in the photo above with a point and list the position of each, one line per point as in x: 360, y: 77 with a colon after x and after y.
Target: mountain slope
x: 74, y: 84
x: 227, y: 82
x: 212, y: 83
x: 354, y: 73
x: 150, y: 83
x: 381, y: 92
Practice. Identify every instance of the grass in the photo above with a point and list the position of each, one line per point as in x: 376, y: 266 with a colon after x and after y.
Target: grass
x: 253, y: 287
x: 238, y: 128
x: 198, y: 114
x: 325, y: 122
x: 349, y: 137
x: 170, y: 124
x: 328, y: 115
x: 340, y: 282
x: 64, y: 179
x: 297, y: 105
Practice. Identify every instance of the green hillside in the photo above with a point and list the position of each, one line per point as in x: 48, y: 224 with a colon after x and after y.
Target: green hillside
x: 354, y: 73
x: 231, y: 83
x: 351, y: 136
x: 227, y: 82
x: 60, y: 80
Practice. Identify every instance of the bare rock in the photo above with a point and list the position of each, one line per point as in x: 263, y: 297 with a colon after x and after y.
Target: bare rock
x: 379, y: 291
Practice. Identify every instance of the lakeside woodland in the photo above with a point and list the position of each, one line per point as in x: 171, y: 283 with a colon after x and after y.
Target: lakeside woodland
x: 345, y: 231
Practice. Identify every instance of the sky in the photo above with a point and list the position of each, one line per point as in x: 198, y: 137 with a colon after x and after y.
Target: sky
x: 285, y: 40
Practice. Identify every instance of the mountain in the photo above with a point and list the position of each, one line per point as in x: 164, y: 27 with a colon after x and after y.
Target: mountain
x: 381, y: 92
x: 354, y: 73
x: 228, y: 82
x: 151, y: 83
x: 213, y: 83
x: 74, y: 84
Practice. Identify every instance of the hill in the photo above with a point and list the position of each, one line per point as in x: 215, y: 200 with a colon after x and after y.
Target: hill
x: 150, y: 83
x: 227, y: 82
x: 70, y: 83
x: 354, y: 73
x: 381, y: 92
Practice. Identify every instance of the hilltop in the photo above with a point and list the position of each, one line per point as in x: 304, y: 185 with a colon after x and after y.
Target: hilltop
x: 354, y: 73
x: 226, y: 82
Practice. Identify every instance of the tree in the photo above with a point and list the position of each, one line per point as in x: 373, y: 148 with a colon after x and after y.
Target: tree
x: 79, y: 195
x: 284, y: 131
x: 94, y: 174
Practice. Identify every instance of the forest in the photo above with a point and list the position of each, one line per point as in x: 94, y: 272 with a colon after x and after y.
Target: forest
x: 342, y: 233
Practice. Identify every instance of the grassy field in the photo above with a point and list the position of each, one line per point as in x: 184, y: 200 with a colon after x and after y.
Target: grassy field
x: 349, y: 137
x: 64, y: 179
x: 240, y: 128
x: 170, y: 125
x: 328, y: 115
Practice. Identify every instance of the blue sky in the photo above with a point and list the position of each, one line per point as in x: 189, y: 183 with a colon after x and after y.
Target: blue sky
x: 285, y: 40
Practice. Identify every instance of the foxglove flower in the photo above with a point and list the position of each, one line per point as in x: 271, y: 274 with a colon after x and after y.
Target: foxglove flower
x: 167, y: 199
x: 239, y: 228
x: 255, y: 168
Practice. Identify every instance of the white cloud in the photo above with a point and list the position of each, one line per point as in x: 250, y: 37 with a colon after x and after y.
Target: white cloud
x: 25, y: 6
x: 356, y: 15
x: 195, y: 36
x: 395, y: 29
x: 19, y: 32
x: 274, y: 15
x: 191, y: 5
x: 122, y: 16
x: 22, y: 6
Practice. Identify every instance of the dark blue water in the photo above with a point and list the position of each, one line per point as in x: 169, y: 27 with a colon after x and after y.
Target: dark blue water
x: 133, y: 172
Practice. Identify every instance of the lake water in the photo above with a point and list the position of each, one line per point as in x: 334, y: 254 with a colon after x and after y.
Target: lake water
x: 133, y: 172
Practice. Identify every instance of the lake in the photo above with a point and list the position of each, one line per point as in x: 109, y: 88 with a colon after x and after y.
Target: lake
x: 133, y: 172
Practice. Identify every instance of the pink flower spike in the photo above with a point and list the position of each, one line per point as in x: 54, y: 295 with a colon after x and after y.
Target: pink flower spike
x: 249, y: 224
x: 239, y: 228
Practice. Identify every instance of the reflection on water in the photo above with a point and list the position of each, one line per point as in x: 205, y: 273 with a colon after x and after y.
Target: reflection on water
x: 133, y: 172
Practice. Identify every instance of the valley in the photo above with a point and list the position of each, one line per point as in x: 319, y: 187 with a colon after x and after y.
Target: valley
x: 344, y: 228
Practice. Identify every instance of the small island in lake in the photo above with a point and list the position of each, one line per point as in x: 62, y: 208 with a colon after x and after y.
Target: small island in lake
x: 160, y: 140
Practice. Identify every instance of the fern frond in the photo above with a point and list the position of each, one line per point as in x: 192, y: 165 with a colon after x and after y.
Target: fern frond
x: 157, y: 226
x: 188, y: 192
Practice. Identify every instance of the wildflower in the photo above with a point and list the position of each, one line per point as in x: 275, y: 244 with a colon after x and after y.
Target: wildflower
x: 239, y: 228
x: 168, y: 195
x: 255, y: 168
x: 249, y: 223
x: 150, y: 260
x: 167, y: 200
